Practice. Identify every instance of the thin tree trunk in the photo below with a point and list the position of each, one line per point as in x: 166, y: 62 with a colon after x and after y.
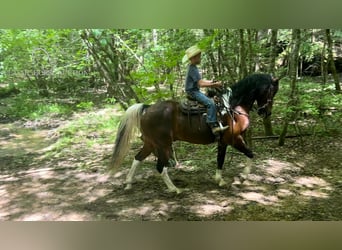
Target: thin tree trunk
x: 251, y: 61
x: 331, y: 61
x: 213, y: 62
x: 273, y: 54
x: 268, y: 126
x: 243, y: 66
x: 293, y: 99
x: 243, y: 73
x: 324, y: 68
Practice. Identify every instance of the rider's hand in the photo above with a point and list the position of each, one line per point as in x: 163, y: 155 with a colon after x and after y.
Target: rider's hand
x: 217, y: 84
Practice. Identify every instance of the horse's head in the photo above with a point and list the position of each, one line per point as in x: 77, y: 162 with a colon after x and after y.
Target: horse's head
x: 265, y: 98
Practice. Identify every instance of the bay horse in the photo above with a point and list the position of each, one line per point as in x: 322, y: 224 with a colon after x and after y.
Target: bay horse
x: 163, y: 122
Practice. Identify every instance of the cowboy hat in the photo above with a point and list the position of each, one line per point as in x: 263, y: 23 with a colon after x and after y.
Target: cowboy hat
x: 191, y: 52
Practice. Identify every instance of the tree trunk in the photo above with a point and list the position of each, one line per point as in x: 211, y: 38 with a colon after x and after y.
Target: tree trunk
x: 268, y: 126
x: 331, y: 61
x: 251, y: 61
x: 210, y: 54
x: 324, y: 68
x: 293, y: 99
x: 243, y: 72
x: 273, y: 54
x: 243, y: 66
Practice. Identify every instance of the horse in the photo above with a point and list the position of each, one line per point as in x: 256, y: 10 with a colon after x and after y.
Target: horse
x: 163, y: 123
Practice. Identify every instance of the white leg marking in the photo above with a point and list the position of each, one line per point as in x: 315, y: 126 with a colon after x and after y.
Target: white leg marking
x: 131, y: 173
x: 175, y: 157
x: 168, y: 182
x: 219, y: 179
x: 247, y: 170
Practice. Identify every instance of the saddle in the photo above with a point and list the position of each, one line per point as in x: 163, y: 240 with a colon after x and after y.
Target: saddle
x: 190, y: 106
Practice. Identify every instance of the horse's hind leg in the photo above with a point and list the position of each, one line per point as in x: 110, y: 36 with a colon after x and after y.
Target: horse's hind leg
x: 163, y: 162
x: 143, y: 153
x: 174, y: 158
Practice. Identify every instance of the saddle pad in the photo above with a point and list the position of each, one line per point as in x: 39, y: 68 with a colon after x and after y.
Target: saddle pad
x: 192, y: 107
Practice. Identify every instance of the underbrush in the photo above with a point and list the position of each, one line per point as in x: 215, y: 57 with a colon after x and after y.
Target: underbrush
x: 23, y: 101
x: 318, y: 110
x: 86, y: 131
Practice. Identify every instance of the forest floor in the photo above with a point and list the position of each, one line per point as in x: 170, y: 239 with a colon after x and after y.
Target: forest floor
x: 54, y: 169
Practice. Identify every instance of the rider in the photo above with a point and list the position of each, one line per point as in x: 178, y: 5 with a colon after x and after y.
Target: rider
x: 193, y: 82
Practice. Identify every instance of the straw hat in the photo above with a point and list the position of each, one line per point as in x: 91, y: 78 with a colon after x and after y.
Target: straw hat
x: 191, y: 52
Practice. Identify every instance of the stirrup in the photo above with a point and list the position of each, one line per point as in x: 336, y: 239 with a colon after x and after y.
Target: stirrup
x: 220, y: 128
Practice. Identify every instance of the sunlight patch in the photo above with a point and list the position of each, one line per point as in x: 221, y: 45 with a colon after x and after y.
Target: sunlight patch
x: 314, y: 193
x: 275, y: 168
x: 282, y: 193
x: 209, y: 209
x: 53, y: 216
x: 131, y: 213
x: 312, y: 182
x: 260, y: 198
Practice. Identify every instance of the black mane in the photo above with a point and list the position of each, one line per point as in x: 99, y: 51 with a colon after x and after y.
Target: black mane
x: 246, y: 90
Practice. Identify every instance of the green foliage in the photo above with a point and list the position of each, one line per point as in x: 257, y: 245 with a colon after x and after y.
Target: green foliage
x: 44, y: 58
x: 90, y: 129
x: 85, y: 105
x: 133, y: 64
x: 9, y: 90
x: 26, y: 106
x: 316, y: 105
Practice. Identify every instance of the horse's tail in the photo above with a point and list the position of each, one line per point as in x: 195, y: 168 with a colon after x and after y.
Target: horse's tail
x: 129, y: 122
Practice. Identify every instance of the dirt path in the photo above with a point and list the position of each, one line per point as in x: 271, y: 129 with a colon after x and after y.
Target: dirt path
x: 301, y: 181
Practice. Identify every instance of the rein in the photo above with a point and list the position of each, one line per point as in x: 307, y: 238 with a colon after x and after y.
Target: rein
x: 227, y: 107
x: 239, y: 113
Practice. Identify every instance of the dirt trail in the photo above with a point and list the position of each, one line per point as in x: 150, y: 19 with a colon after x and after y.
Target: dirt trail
x: 301, y: 184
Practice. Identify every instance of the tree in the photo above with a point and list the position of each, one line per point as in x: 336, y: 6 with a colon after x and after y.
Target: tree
x: 273, y: 54
x: 243, y: 72
x: 331, y: 60
x: 293, y: 98
x: 111, y: 55
x: 273, y: 51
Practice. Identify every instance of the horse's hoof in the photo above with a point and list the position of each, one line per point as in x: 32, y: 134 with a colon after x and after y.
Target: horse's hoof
x: 222, y: 183
x: 243, y: 178
x: 249, y: 154
x: 235, y: 187
x: 179, y: 166
x: 176, y: 191
x: 128, y: 187
x: 179, y: 191
x: 237, y: 181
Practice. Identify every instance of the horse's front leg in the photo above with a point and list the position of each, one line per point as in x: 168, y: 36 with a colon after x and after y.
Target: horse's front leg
x: 221, y: 154
x: 240, y: 144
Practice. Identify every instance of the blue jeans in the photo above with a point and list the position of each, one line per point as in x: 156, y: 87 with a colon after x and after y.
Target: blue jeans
x: 208, y: 103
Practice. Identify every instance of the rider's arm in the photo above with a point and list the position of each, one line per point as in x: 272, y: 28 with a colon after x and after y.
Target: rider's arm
x: 205, y: 83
